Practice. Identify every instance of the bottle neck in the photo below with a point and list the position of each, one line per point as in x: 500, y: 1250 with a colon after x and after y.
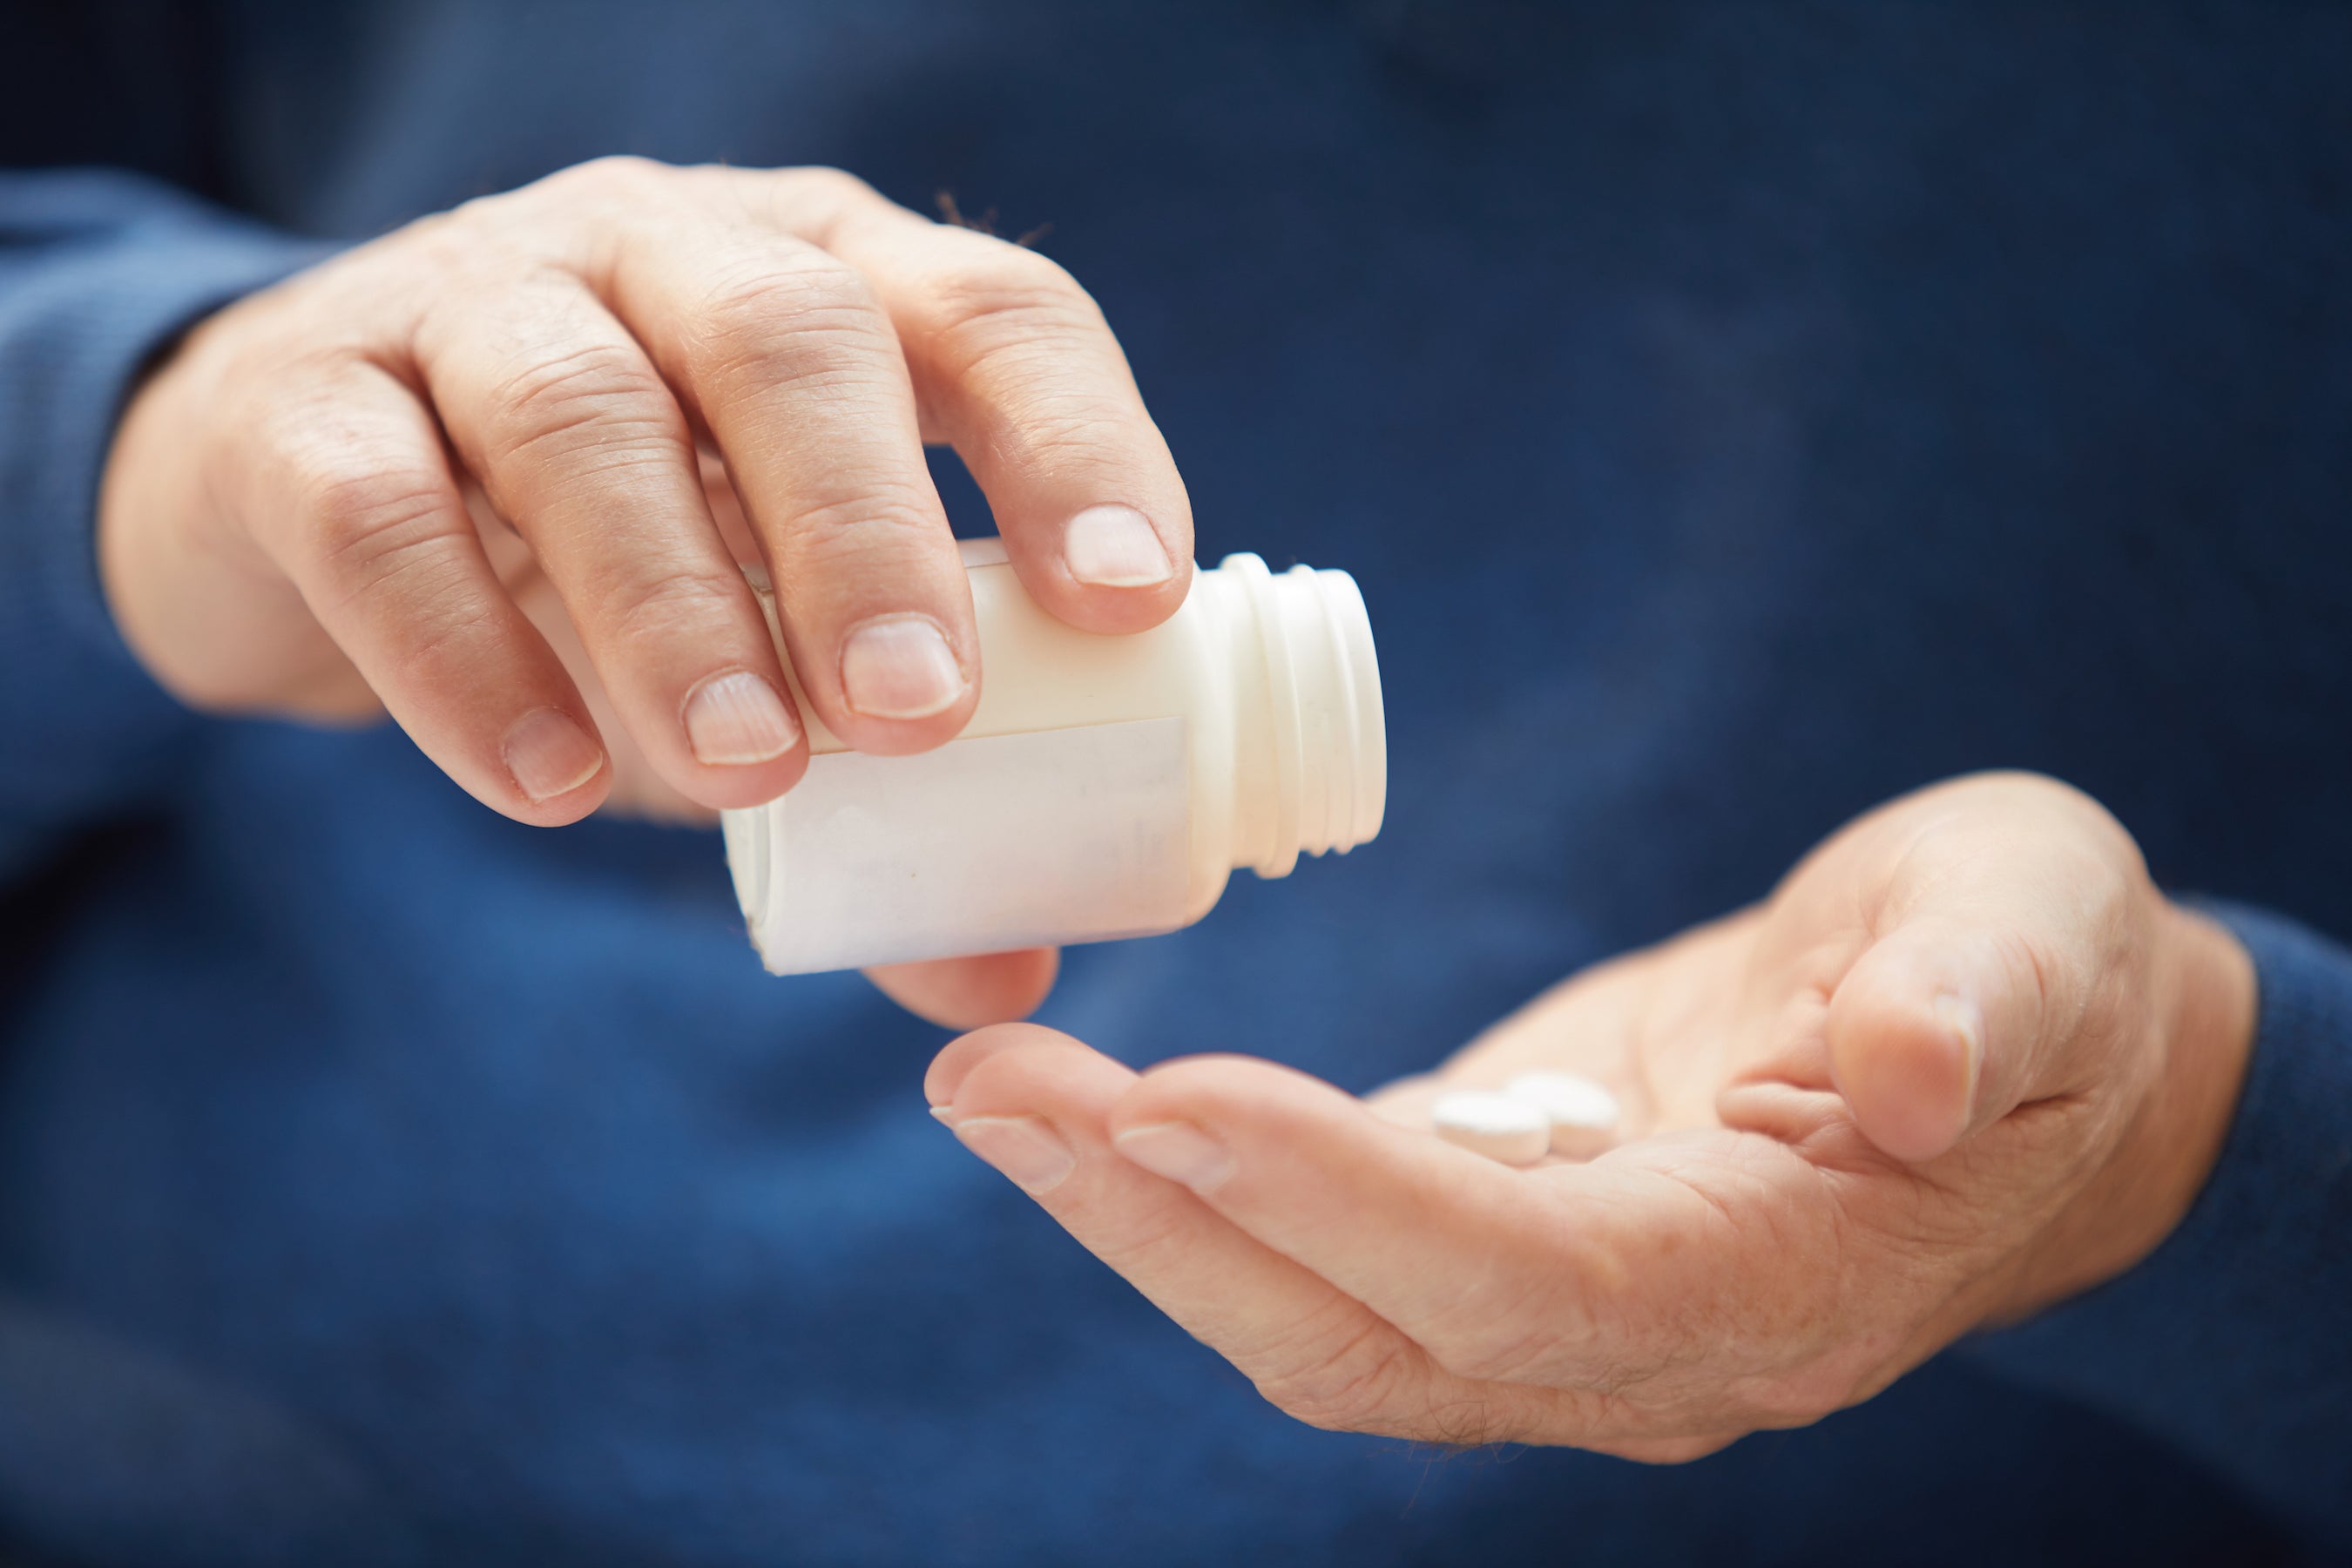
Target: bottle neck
x: 1310, y: 744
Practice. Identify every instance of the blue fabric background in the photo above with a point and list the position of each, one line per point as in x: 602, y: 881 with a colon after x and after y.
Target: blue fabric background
x: 1734, y: 415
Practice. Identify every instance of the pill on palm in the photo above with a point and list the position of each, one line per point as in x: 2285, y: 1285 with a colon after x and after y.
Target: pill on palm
x: 1513, y: 1132
x: 1582, y: 1111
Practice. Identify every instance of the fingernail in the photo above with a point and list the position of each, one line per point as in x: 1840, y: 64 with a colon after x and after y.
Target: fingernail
x: 549, y: 753
x: 1029, y: 1153
x: 1115, y: 547
x: 1966, y: 1020
x: 943, y: 1113
x: 900, y: 667
x: 735, y: 719
x: 1178, y: 1150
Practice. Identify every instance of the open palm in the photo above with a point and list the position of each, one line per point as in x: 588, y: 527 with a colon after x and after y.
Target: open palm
x: 1917, y: 1089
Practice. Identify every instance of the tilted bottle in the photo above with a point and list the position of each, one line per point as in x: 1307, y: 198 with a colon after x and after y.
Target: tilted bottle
x: 1105, y: 786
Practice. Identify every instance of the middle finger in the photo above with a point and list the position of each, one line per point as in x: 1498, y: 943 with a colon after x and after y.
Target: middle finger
x: 1310, y: 1348
x: 783, y: 352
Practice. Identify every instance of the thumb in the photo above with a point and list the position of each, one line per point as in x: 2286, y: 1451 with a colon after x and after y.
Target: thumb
x: 968, y: 993
x: 1933, y: 1032
x: 2000, y: 933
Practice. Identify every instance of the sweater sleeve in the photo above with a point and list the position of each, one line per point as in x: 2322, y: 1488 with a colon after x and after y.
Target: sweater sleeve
x: 2233, y: 1340
x: 99, y: 271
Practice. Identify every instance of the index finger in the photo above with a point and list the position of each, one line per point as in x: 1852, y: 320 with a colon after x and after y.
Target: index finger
x: 1014, y: 1094
x: 1014, y: 364
x: 783, y: 352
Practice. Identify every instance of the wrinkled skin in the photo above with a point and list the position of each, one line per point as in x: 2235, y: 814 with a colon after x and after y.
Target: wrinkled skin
x: 497, y: 472
x: 1965, y: 1062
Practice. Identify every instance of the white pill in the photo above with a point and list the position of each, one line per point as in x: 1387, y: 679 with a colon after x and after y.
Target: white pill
x: 1582, y: 1111
x: 1495, y: 1125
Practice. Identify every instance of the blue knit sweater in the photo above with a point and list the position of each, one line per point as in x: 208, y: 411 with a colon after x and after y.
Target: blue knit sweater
x: 1734, y: 415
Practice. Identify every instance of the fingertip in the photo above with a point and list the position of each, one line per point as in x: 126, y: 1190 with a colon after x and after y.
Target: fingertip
x: 557, y: 769
x: 745, y: 743
x: 907, y: 682
x: 1123, y: 612
x: 1043, y: 1073
x: 892, y: 738
x: 1114, y: 545
x: 960, y: 1056
x: 739, y: 787
x: 1909, y: 1067
x: 1125, y: 572
x: 562, y: 811
x: 1110, y: 569
x: 968, y: 993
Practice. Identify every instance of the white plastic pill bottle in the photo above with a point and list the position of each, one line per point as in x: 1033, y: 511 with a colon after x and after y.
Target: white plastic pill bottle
x: 1106, y: 786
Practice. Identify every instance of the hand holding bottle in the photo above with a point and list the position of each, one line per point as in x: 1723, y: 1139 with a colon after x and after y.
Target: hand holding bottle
x: 285, y: 524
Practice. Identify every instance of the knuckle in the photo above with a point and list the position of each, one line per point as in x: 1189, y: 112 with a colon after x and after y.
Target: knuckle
x: 352, y: 489
x: 2028, y: 969
x: 1001, y: 278
x: 1051, y: 425
x: 824, y: 182
x: 562, y: 211
x: 2042, y: 791
x: 789, y: 318
x: 371, y: 524
x: 665, y: 606
x: 813, y: 200
x: 616, y: 174
x: 593, y: 396
x: 1010, y: 308
x: 885, y: 526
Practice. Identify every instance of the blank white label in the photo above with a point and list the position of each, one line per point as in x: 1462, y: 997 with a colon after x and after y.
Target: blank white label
x: 982, y: 845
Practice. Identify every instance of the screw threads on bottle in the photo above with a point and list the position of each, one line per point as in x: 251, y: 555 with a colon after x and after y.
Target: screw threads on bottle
x: 1323, y: 721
